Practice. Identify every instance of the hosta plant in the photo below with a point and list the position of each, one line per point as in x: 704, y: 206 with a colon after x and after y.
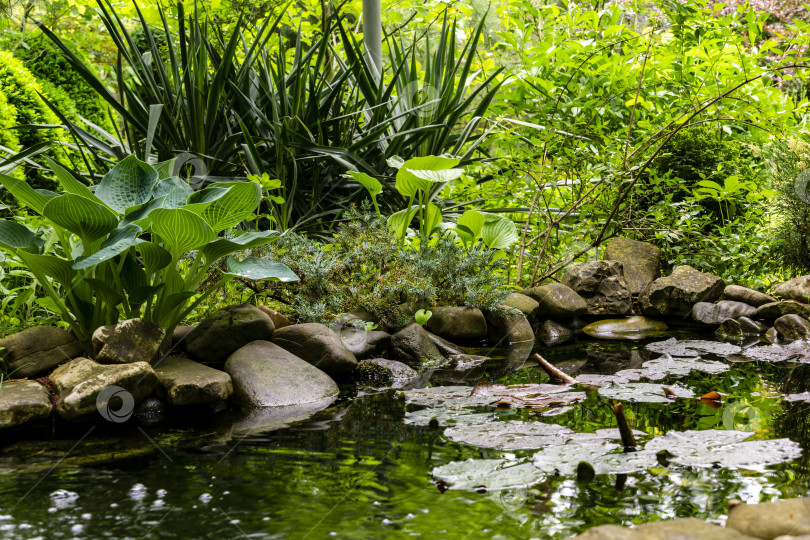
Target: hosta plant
x: 139, y: 244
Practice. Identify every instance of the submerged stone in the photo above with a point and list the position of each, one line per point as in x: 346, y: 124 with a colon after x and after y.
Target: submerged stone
x: 23, y: 401
x: 680, y: 529
x: 641, y: 262
x: 771, y: 519
x: 730, y: 330
x: 637, y: 327
x: 379, y: 373
x: 552, y: 333
x: 36, y: 350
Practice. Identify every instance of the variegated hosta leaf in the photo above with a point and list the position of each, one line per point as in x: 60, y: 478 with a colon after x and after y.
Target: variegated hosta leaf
x: 174, y: 192
x: 128, y: 184
x: 180, y: 229
x: 87, y: 219
x: 225, y: 246
x: 255, y: 268
x: 237, y: 204
x: 118, y: 242
x: 499, y: 233
x: 16, y: 236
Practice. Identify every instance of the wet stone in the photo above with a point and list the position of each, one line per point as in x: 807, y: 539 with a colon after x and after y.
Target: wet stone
x: 36, y: 350
x: 23, y: 401
x: 792, y: 327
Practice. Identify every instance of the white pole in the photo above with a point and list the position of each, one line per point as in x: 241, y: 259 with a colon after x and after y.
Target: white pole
x: 372, y: 33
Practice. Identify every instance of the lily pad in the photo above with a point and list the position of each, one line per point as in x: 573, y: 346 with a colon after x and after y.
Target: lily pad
x: 685, y: 441
x: 602, y: 456
x: 644, y: 392
x: 693, y: 347
x: 683, y: 365
x: 605, y: 380
x: 447, y: 396
x: 447, y: 417
x: 489, y: 474
x: 531, y: 396
x: 511, y: 435
x: 804, y: 396
x: 797, y: 351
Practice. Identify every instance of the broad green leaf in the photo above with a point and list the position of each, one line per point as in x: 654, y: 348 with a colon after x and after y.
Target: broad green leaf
x: 87, y: 219
x: 499, y: 233
x: 51, y: 266
x: 140, y: 294
x: 128, y: 184
x: 433, y: 217
x: 225, y: 246
x: 180, y: 229
x: 132, y: 273
x: 408, y: 184
x: 69, y: 182
x: 255, y: 268
x: 373, y: 185
x: 207, y: 195
x: 174, y: 192
x: 398, y: 222
x: 176, y: 300
x: 165, y: 169
x: 435, y: 177
x: 431, y: 163
x: 25, y: 194
x: 473, y: 220
x: 237, y: 204
x: 118, y: 242
x: 15, y: 236
x: 154, y: 257
x: 105, y: 291
x: 395, y: 162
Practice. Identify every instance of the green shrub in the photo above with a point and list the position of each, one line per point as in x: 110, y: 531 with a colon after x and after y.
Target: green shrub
x: 22, y: 93
x: 8, y: 119
x: 364, y: 267
x: 788, y: 160
x: 46, y: 62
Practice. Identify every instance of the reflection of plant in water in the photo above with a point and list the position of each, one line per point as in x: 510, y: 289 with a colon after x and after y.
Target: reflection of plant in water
x: 793, y: 418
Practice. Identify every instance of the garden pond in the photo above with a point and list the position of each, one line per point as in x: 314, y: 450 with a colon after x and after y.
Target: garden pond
x: 442, y: 462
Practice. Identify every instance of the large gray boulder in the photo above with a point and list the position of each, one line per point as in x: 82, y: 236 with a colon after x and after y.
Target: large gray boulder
x: 557, y: 301
x: 714, y: 314
x: 552, y: 333
x: 676, y: 294
x: 23, y: 401
x: 746, y: 295
x: 230, y: 328
x: 80, y: 381
x: 507, y: 326
x: 182, y: 381
x: 774, y: 310
x: 797, y: 289
x: 317, y: 344
x: 525, y: 304
x: 676, y: 529
x: 413, y: 346
x: 37, y: 350
x: 457, y: 322
x: 792, y: 327
x: 133, y: 340
x: 602, y: 285
x: 641, y: 262
x: 266, y: 375
x: 771, y: 519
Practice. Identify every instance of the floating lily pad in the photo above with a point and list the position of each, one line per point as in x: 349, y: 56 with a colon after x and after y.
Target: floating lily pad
x: 603, y: 380
x: 804, y: 396
x: 511, y: 435
x: 644, y: 392
x: 447, y: 396
x: 795, y: 352
x: 693, y: 347
x: 683, y: 365
x: 685, y: 441
x: 489, y: 474
x: 530, y: 396
x: 447, y: 417
x: 602, y: 456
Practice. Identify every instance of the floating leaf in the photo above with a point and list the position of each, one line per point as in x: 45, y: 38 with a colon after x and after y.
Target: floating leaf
x: 488, y: 474
x: 683, y: 365
x: 797, y: 351
x: 643, y: 392
x: 693, y: 347
x: 447, y: 417
x: 511, y: 435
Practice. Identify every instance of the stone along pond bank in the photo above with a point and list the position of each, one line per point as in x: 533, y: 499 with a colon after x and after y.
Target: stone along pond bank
x: 253, y: 358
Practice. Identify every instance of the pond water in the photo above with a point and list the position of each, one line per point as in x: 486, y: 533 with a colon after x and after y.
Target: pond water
x: 360, y: 469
